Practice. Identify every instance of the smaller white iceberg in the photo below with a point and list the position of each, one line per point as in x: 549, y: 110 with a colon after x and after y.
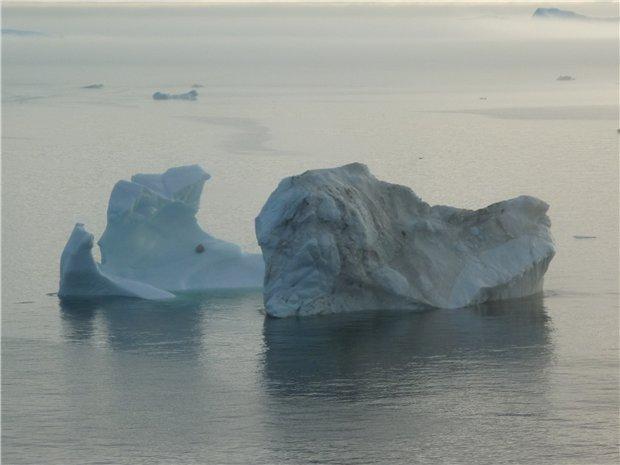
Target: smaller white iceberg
x: 153, y: 246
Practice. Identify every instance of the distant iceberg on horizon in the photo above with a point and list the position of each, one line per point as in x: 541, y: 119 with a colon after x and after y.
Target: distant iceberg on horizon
x: 557, y: 13
x: 153, y: 247
x: 339, y: 239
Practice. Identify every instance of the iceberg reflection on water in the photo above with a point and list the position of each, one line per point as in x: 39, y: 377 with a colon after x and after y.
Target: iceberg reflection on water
x: 385, y: 354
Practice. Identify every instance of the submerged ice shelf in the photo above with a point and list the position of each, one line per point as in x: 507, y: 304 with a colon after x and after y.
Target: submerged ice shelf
x: 339, y: 240
x: 153, y: 246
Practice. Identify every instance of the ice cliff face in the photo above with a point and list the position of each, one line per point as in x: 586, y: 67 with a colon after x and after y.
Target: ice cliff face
x: 339, y: 240
x: 153, y: 245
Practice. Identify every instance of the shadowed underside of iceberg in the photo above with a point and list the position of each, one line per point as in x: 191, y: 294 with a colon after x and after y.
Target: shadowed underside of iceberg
x: 339, y: 239
x: 153, y: 245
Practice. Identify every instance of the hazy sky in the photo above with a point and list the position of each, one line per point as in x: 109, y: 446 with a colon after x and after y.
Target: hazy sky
x: 310, y: 1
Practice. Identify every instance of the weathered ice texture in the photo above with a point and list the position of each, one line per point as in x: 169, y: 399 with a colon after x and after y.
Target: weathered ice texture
x: 339, y: 239
x: 153, y: 245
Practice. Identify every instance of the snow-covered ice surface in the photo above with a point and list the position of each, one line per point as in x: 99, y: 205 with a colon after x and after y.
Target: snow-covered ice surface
x: 153, y: 245
x: 339, y: 239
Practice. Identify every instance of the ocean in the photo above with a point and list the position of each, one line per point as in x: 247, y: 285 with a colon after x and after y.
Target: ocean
x: 459, y: 102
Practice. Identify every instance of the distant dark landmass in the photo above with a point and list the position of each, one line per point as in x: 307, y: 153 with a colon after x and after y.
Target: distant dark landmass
x: 556, y: 13
x: 93, y: 86
x: 565, y: 78
x: 21, y: 33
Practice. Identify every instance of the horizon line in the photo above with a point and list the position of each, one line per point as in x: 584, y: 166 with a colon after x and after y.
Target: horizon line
x: 302, y: 2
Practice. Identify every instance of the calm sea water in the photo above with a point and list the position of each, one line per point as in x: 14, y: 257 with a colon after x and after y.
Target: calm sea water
x: 460, y: 103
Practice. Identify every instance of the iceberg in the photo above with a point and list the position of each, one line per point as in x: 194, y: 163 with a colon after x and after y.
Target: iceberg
x: 339, y: 239
x: 153, y: 247
x: 557, y: 13
x: 191, y: 95
x: 565, y: 15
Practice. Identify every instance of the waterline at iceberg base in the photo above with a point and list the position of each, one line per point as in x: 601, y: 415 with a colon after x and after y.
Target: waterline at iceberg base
x: 339, y: 239
x: 153, y: 246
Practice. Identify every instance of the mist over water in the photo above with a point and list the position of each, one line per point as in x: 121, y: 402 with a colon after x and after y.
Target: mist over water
x: 461, y: 103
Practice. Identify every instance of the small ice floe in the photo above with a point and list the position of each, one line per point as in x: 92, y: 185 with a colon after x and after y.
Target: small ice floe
x: 191, y: 95
x: 197, y: 86
x: 584, y: 237
x: 93, y: 86
x: 565, y: 77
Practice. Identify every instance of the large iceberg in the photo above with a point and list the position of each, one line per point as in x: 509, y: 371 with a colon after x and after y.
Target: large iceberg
x: 339, y: 239
x: 153, y: 246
